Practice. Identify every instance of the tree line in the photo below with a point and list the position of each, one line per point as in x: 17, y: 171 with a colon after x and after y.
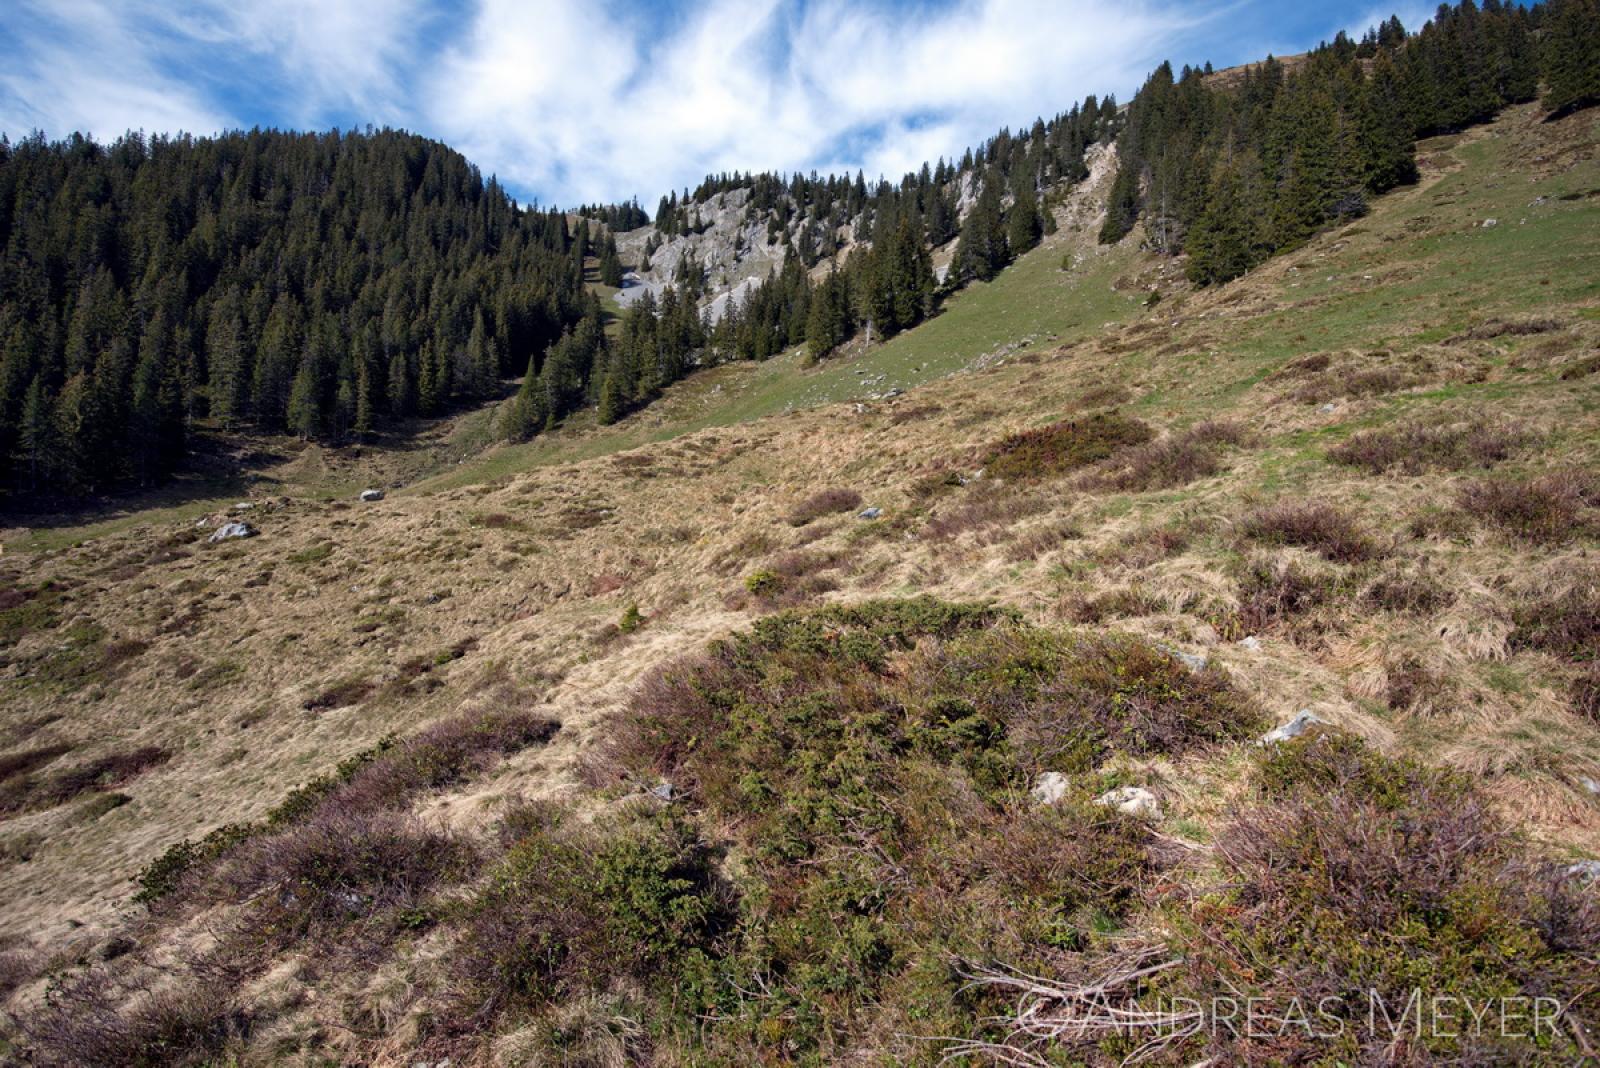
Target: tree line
x: 329, y: 285
x: 1233, y: 173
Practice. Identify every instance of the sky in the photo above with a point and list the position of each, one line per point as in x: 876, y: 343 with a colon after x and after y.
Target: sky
x: 575, y: 101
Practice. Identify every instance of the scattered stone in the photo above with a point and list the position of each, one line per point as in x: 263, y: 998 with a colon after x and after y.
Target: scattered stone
x: 1251, y: 643
x: 1132, y: 801
x: 243, y: 506
x: 870, y: 513
x: 372, y: 494
x: 1587, y: 870
x: 1489, y: 224
x: 1050, y: 788
x: 664, y: 791
x: 1589, y: 784
x: 229, y: 531
x: 1303, y: 721
x: 1328, y: 408
x: 1192, y: 661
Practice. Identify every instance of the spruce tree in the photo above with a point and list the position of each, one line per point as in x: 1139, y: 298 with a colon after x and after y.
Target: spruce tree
x: 1571, y: 56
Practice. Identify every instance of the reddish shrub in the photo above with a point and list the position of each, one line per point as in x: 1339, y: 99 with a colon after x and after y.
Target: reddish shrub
x: 89, y: 1020
x: 825, y: 502
x: 22, y: 792
x: 1322, y: 528
x: 1064, y: 446
x: 1415, y: 447
x: 1545, y: 510
x: 1271, y: 593
x: 1174, y: 460
x: 339, y: 866
x: 28, y: 759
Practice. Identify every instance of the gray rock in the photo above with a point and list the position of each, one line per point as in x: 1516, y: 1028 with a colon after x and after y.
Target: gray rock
x: 1050, y: 788
x: 1303, y: 721
x: 1192, y: 661
x: 664, y: 791
x: 870, y: 513
x: 372, y: 494
x: 1489, y: 224
x: 1251, y: 643
x: 1587, y: 870
x: 1589, y: 784
x: 229, y: 531
x: 1133, y: 801
x: 243, y: 506
x: 1328, y: 408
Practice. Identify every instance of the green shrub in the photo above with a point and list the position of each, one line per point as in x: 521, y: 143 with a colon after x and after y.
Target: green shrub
x: 571, y: 909
x: 870, y: 765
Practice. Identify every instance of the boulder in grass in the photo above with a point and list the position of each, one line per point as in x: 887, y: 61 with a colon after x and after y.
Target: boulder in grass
x: 230, y: 531
x: 1587, y: 870
x: 1303, y: 721
x: 1132, y: 801
x: 372, y: 494
x: 1050, y: 788
x: 870, y: 513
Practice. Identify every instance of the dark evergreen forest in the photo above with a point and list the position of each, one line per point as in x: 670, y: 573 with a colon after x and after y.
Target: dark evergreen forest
x: 327, y: 285
x: 1232, y: 174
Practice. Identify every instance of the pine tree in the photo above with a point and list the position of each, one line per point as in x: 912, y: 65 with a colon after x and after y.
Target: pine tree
x: 610, y: 407
x: 1388, y: 156
x: 1023, y: 227
x: 981, y: 252
x: 528, y: 411
x: 1571, y: 56
x: 228, y: 361
x: 1225, y: 241
x: 304, y: 415
x: 610, y: 263
x: 365, y: 355
x: 36, y: 442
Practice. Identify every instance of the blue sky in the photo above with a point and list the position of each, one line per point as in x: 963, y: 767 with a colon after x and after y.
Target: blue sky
x: 573, y: 100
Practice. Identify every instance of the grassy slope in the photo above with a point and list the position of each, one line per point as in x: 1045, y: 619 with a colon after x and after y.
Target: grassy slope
x: 1034, y: 304
x: 532, y: 552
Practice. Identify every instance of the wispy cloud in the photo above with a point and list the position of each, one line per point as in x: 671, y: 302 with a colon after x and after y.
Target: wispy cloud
x: 571, y: 100
x: 85, y: 65
x: 580, y: 102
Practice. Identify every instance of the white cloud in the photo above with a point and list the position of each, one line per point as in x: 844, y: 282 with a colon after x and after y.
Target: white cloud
x: 83, y: 65
x: 563, y: 97
x: 576, y: 100
x: 338, y: 55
